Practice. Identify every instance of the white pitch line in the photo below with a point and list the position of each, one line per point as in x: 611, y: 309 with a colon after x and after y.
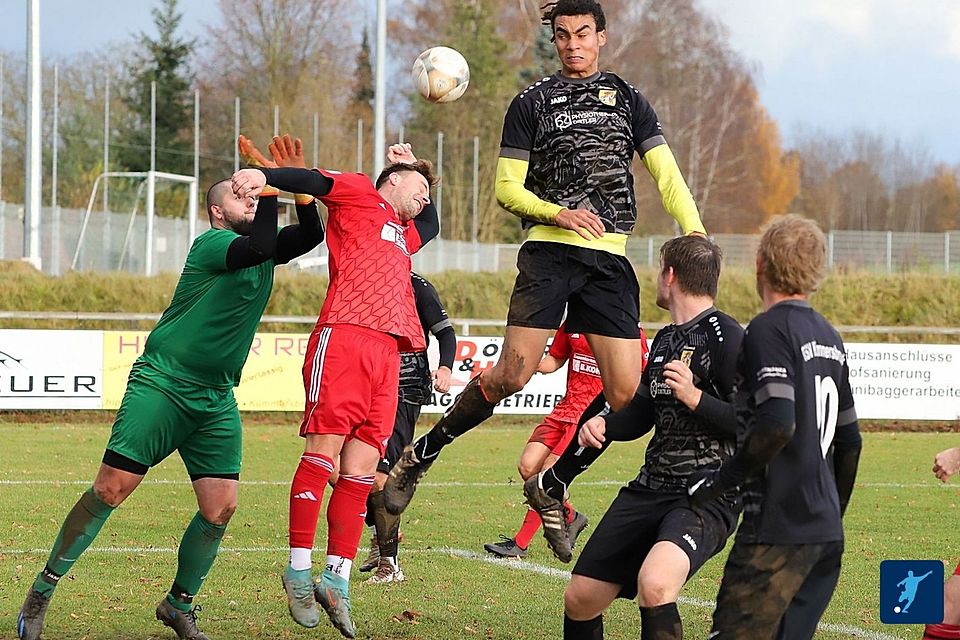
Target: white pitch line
x: 480, y: 485
x: 513, y: 563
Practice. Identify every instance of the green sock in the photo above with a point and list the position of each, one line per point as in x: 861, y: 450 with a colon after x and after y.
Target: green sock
x: 198, y: 550
x: 77, y: 532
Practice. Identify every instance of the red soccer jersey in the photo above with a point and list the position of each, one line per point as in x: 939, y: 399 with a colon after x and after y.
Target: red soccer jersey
x: 369, y: 260
x: 583, y: 375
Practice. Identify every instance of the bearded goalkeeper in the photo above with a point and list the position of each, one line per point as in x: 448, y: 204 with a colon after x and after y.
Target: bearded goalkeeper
x: 179, y: 394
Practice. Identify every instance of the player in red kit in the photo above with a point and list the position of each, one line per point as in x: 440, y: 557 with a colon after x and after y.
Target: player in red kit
x: 351, y: 368
x: 552, y: 436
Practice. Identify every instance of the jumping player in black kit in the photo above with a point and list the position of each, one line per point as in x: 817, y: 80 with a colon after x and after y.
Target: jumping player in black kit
x: 798, y: 450
x: 565, y: 169
x: 416, y: 386
x: 650, y: 541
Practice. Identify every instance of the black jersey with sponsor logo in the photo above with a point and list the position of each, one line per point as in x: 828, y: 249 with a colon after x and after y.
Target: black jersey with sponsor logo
x: 790, y: 351
x: 415, y: 379
x: 684, y: 442
x: 579, y: 136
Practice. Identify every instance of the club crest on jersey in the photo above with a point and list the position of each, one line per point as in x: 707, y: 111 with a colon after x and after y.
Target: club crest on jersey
x: 686, y: 355
x: 393, y: 232
x: 608, y: 97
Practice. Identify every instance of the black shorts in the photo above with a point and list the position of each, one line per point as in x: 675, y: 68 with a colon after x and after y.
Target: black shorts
x: 598, y: 289
x: 760, y: 581
x: 639, y: 518
x: 403, y: 425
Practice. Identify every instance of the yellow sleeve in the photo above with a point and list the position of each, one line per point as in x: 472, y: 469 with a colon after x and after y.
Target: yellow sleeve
x: 674, y: 192
x: 515, y: 198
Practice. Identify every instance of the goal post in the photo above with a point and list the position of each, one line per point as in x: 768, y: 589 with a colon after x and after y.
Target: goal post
x: 150, y: 181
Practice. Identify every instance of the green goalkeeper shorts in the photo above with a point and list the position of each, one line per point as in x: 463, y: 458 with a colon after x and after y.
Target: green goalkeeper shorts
x: 160, y: 415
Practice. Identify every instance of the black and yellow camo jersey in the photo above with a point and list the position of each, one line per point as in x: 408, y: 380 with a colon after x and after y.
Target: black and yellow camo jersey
x: 792, y: 352
x: 683, y: 441
x: 579, y: 136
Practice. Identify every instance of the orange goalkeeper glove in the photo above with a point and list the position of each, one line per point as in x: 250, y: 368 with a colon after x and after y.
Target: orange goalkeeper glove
x: 253, y: 158
x: 288, y: 152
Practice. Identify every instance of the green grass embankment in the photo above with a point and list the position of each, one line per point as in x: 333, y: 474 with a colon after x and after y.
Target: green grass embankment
x: 847, y: 298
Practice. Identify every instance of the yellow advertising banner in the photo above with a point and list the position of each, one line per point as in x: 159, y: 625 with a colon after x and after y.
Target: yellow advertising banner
x: 271, y: 377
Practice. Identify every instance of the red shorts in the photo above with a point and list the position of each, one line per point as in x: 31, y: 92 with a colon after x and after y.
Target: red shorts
x: 956, y: 571
x: 350, y: 378
x: 554, y: 434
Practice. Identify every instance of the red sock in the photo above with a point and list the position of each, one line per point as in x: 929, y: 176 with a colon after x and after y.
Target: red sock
x: 306, y: 493
x: 531, y: 524
x: 348, y: 505
x: 941, y: 632
x: 569, y: 511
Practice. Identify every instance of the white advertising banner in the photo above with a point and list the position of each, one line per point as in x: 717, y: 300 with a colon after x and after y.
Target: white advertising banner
x: 50, y: 369
x: 905, y: 381
x: 476, y: 354
x: 43, y: 369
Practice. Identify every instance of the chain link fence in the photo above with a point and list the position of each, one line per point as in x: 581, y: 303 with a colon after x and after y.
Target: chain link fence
x: 117, y: 242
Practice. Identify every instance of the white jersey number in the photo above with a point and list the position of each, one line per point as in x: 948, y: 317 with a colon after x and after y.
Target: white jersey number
x: 828, y: 399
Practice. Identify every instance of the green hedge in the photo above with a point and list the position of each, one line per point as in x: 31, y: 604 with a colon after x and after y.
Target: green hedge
x: 847, y: 298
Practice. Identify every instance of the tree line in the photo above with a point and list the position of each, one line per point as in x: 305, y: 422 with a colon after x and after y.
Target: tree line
x: 311, y: 61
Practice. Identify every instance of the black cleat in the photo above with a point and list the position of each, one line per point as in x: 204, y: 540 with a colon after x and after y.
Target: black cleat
x: 373, y: 556
x: 30, y: 618
x: 402, y: 482
x: 551, y: 512
x: 576, y: 527
x: 183, y: 623
x: 506, y: 548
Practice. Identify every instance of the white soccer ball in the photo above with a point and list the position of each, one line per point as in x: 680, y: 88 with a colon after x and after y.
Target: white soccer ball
x: 440, y: 74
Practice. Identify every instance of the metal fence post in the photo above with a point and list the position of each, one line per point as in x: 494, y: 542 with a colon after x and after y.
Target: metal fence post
x: 946, y: 251
x: 359, y: 145
x: 439, y: 201
x: 889, y: 251
x: 236, y: 133
x: 830, y: 250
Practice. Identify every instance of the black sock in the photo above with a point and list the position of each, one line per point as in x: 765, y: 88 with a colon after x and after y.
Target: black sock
x: 368, y: 516
x: 179, y: 597
x: 387, y: 524
x: 583, y: 630
x: 661, y: 622
x: 469, y: 409
x: 428, y: 446
x: 575, y: 459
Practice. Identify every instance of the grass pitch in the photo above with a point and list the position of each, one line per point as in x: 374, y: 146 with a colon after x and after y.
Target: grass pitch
x: 453, y: 590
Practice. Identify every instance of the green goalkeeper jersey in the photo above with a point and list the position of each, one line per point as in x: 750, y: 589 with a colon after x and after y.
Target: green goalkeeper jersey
x: 205, y: 334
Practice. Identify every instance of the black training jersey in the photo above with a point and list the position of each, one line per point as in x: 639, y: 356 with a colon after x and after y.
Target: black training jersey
x: 415, y: 380
x: 683, y: 441
x: 791, y: 352
x: 579, y: 136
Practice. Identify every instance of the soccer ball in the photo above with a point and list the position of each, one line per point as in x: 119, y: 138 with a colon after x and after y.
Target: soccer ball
x: 440, y: 74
